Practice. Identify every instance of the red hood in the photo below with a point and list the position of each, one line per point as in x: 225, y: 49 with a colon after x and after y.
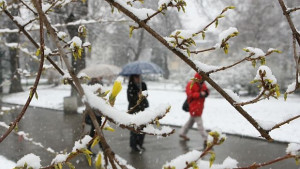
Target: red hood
x: 197, y: 76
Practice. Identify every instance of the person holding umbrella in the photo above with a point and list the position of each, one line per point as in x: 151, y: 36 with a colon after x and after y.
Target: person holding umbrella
x: 134, y: 92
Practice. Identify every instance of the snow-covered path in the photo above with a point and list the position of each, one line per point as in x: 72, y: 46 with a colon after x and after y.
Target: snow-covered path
x: 218, y: 113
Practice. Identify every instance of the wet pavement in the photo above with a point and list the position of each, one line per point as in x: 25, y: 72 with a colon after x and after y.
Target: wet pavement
x: 59, y: 131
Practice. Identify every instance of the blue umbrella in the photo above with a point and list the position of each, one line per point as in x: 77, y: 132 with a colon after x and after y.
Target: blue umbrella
x: 140, y: 67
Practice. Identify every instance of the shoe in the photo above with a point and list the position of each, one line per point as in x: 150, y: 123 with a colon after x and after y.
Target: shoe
x: 184, y: 137
x: 142, y: 148
x: 135, y: 149
x: 204, y: 144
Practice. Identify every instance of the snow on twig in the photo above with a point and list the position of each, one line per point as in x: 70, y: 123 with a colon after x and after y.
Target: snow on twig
x: 120, y: 117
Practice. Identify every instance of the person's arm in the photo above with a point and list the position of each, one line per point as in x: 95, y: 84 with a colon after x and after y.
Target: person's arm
x: 144, y: 86
x: 204, y: 90
x: 192, y: 92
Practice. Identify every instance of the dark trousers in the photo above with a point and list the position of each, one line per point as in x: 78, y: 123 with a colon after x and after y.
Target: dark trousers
x: 136, y: 139
x: 92, y: 134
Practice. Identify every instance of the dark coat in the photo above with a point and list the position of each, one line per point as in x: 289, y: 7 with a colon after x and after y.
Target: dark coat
x: 133, y: 96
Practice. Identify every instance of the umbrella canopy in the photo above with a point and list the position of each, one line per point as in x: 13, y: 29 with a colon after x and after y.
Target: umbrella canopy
x: 141, y: 67
x: 101, y: 70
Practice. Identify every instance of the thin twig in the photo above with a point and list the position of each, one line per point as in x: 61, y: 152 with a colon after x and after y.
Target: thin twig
x: 258, y: 98
x: 230, y: 66
x: 293, y: 10
x: 204, y: 50
x: 267, y: 163
x: 285, y: 122
x: 36, y: 14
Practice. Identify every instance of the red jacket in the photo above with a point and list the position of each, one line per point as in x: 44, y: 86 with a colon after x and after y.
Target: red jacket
x: 195, y: 99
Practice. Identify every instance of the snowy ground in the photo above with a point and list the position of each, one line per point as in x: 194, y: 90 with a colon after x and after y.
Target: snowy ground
x: 217, y: 113
x: 5, y: 163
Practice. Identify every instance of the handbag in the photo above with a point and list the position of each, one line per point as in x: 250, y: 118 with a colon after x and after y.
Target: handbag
x: 185, y: 106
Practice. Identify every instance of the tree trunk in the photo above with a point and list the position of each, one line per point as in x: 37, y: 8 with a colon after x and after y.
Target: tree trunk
x: 14, y: 59
x: 77, y: 64
x: 165, y: 66
x: 16, y: 85
x: 1, y: 70
x: 139, y: 46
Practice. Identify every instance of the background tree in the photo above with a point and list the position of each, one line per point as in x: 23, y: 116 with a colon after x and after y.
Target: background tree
x: 14, y: 57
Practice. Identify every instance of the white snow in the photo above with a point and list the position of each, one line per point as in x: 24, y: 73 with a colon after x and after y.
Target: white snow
x: 85, y: 44
x: 20, y: 20
x: 293, y: 149
x: 151, y: 129
x: 47, y: 51
x: 60, y: 158
x: 233, y: 95
x: 63, y: 3
x: 204, y: 67
x: 161, y: 2
x: 141, y: 13
x: 62, y: 35
x: 75, y: 42
x: 224, y: 34
x: 121, y: 117
x: 271, y: 49
x: 180, y: 161
x: 46, y: 6
x: 218, y: 113
x: 119, y: 159
x: 80, y: 144
x: 5, y: 163
x: 268, y: 75
x: 31, y: 160
x: 292, y: 86
x: 257, y: 52
x: 50, y: 150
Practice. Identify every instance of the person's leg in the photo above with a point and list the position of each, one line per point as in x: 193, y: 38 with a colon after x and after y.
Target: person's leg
x: 133, y: 141
x: 201, y: 130
x: 141, y: 138
x: 186, y: 127
x: 200, y: 127
x: 92, y: 134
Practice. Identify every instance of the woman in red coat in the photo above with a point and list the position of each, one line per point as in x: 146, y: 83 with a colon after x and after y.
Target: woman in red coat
x: 196, y: 92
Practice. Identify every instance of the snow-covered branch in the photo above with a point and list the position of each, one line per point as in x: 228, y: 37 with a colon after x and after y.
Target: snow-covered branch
x: 78, y: 22
x: 137, y: 122
x: 293, y: 10
x: 183, y: 39
x: 267, y: 84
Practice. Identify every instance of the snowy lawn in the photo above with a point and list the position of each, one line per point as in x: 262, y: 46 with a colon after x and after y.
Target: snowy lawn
x: 5, y: 163
x: 218, y: 113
